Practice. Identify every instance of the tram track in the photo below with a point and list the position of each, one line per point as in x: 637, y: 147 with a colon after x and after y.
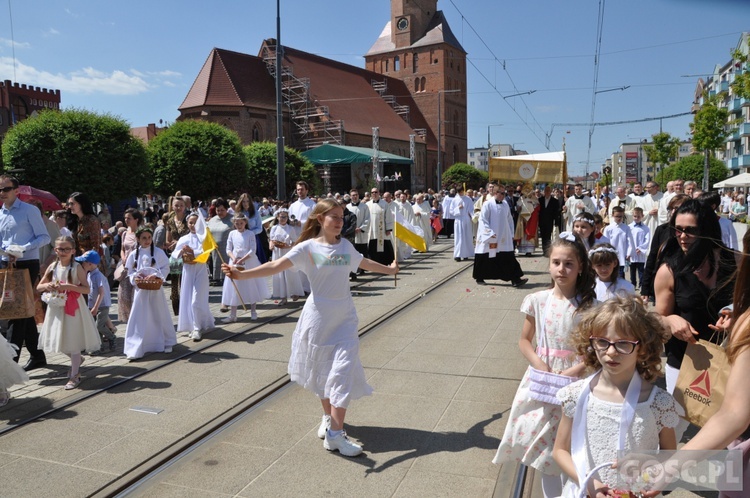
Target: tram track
x: 128, y: 483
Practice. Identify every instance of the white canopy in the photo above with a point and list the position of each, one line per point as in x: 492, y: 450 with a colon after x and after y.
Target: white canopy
x: 742, y: 180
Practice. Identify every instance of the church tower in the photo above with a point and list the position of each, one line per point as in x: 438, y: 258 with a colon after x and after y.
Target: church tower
x: 418, y: 47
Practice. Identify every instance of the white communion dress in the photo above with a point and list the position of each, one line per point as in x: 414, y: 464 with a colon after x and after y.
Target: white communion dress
x: 325, y: 345
x: 195, y: 313
x: 251, y: 290
x: 288, y: 283
x: 150, y: 328
x: 69, y: 329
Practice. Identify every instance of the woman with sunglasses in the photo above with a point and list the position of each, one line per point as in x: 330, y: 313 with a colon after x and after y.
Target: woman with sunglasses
x: 694, y: 281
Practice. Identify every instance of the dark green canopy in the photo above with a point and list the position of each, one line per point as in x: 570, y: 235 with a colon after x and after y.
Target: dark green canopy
x: 341, y: 154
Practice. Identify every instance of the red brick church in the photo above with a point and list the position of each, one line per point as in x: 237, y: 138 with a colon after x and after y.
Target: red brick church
x: 415, y: 61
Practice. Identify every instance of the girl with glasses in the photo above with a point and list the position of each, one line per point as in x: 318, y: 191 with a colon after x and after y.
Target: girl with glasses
x: 68, y: 326
x: 618, y: 407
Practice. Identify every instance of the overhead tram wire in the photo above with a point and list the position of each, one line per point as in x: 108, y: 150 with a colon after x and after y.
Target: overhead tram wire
x: 497, y: 61
x: 612, y: 123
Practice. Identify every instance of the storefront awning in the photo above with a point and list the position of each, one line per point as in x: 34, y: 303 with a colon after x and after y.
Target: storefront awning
x: 341, y: 154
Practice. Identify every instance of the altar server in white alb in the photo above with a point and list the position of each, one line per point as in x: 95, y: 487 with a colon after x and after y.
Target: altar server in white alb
x: 576, y: 204
x: 462, y: 209
x: 495, y: 258
x: 299, y: 211
x: 620, y: 237
x: 195, y: 316
x: 380, y: 248
x: 362, y: 212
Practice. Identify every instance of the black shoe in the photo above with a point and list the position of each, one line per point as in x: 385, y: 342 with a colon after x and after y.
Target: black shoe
x: 457, y: 259
x: 519, y: 282
x: 480, y: 281
x: 35, y: 363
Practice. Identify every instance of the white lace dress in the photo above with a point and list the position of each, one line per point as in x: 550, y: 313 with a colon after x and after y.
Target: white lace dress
x: 603, y: 420
x: 532, y: 425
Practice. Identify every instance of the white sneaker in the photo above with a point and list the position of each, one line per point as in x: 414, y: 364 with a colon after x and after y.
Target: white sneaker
x: 229, y: 319
x: 325, y: 424
x: 196, y: 335
x: 253, y: 315
x: 342, y: 444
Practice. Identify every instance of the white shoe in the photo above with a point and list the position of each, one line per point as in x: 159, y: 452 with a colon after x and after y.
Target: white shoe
x: 342, y: 444
x: 325, y: 424
x: 253, y: 315
x: 229, y: 319
x: 196, y: 335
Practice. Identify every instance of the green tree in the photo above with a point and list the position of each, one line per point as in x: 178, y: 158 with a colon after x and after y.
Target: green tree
x: 199, y: 158
x: 261, y: 169
x: 741, y: 84
x: 78, y: 150
x: 462, y: 173
x: 709, y: 128
x: 665, y: 148
x: 691, y: 168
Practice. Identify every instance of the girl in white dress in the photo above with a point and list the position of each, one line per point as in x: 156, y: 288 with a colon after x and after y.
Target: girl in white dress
x: 68, y: 326
x: 607, y: 267
x: 150, y: 328
x: 325, y: 345
x: 286, y: 284
x: 551, y: 316
x: 618, y: 407
x: 195, y: 316
x: 585, y: 227
x: 241, y: 250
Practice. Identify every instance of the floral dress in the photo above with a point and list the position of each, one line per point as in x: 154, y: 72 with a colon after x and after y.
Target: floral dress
x: 125, y: 289
x: 532, y: 425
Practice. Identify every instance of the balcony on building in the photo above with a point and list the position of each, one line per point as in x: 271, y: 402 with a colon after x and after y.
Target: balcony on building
x: 735, y: 105
x: 724, y: 86
x: 744, y: 129
x: 738, y: 162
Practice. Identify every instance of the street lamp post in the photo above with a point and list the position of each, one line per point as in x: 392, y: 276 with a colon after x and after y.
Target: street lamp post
x: 440, y: 139
x: 280, y: 176
x: 489, y: 145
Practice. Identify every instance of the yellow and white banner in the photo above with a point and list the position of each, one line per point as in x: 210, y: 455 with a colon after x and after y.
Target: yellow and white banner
x: 207, y: 240
x: 409, y: 234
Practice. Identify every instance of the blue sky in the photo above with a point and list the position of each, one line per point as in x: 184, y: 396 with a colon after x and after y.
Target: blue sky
x: 137, y: 59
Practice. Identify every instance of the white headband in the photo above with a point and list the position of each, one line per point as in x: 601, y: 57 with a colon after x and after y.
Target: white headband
x: 602, y: 248
x: 569, y: 236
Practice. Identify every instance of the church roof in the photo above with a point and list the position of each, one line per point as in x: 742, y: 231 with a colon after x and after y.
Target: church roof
x: 438, y: 31
x: 230, y: 78
x: 347, y: 91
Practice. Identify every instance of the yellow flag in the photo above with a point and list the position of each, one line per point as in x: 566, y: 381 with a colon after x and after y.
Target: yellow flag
x: 409, y: 234
x: 207, y: 240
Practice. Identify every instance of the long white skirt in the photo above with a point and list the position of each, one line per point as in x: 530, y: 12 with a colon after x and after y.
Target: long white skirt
x: 150, y: 328
x: 251, y: 290
x: 62, y: 333
x: 194, y: 311
x: 10, y: 372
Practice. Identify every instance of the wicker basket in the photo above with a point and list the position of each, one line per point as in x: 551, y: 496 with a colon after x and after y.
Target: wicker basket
x: 188, y: 258
x: 153, y: 284
x: 281, y: 245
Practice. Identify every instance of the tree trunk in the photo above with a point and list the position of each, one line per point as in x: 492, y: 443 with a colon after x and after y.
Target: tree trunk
x: 705, y: 185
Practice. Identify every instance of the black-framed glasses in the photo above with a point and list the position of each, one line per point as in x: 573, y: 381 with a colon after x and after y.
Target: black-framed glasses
x: 691, y: 231
x: 5, y: 190
x: 622, y: 346
x: 63, y: 249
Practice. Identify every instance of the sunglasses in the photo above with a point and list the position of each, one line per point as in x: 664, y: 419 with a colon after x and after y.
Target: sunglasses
x: 690, y: 231
x: 5, y: 190
x: 622, y: 346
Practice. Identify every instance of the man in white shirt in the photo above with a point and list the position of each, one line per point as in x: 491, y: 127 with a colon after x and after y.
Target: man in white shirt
x: 299, y: 211
x: 362, y: 232
x: 649, y: 202
x: 672, y: 190
x: 625, y: 202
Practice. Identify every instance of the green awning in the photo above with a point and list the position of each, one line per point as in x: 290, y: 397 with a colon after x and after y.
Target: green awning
x: 341, y: 154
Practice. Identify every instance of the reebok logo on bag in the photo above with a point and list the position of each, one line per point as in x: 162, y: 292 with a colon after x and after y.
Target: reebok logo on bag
x: 702, y: 384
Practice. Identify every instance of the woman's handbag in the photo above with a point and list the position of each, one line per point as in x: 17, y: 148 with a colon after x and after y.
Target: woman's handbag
x: 17, y: 298
x: 702, y: 381
x: 121, y: 272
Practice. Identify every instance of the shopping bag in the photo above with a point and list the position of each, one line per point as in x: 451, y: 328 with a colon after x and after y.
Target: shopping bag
x: 17, y: 299
x: 702, y: 381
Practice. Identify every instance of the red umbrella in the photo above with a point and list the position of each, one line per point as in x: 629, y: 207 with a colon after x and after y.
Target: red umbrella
x: 49, y: 201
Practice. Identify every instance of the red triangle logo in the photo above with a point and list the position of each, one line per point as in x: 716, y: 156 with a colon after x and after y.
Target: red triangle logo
x: 702, y: 384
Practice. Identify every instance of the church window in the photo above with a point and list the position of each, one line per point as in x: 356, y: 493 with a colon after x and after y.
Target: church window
x: 386, y: 65
x: 19, y: 110
x: 257, y: 132
x: 423, y: 82
x: 416, y: 85
x: 450, y: 55
x: 397, y: 63
x: 415, y: 63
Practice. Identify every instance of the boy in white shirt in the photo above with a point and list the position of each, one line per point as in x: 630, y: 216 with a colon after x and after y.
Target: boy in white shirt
x: 642, y: 239
x: 620, y: 237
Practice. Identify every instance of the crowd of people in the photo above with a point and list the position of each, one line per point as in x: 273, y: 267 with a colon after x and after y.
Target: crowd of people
x: 591, y: 342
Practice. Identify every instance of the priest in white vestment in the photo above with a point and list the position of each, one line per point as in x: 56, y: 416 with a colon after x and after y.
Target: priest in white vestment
x: 380, y: 248
x: 463, y: 236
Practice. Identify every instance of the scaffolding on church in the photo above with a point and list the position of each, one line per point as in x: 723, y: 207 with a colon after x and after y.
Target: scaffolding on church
x: 312, y: 122
x: 382, y: 88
